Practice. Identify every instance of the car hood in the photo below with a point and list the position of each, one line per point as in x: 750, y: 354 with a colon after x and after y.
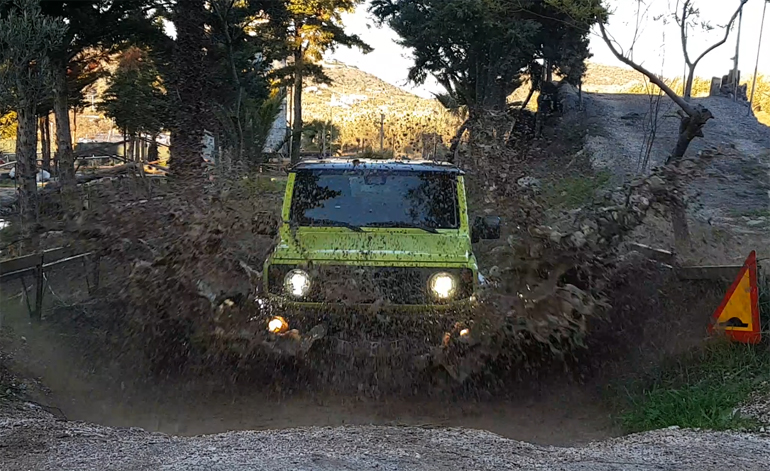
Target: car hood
x: 333, y: 244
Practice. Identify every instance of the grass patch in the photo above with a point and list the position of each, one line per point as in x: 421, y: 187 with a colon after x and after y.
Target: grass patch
x: 699, y: 390
x: 577, y: 191
x: 256, y: 185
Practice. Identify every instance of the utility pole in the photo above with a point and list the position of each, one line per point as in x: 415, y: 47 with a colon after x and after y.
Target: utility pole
x: 756, y: 64
x: 737, y: 52
x: 382, y: 131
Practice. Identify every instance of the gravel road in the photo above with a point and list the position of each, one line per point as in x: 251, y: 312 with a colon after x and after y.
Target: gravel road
x: 42, y: 443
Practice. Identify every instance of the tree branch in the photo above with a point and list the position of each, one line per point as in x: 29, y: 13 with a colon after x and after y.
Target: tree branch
x: 727, y: 33
x: 653, y: 78
x: 683, y: 30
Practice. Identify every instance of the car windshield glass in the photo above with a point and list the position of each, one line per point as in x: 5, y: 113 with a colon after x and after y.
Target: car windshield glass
x: 375, y: 198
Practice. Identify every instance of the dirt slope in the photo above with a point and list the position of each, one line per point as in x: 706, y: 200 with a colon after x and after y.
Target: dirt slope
x: 44, y: 444
x: 733, y: 194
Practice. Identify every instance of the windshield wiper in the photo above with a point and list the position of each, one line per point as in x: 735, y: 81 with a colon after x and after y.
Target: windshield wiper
x: 333, y: 223
x: 407, y: 225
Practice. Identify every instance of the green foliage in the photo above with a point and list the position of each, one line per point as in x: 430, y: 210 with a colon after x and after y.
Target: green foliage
x: 699, y: 390
x: 576, y: 191
x: 254, y: 124
x: 26, y: 38
x: 318, y: 135
x: 312, y: 28
x: 255, y: 186
x: 135, y: 99
x: 245, y: 39
x: 479, y: 51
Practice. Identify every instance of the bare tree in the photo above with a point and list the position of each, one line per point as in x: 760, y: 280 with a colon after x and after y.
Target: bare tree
x: 683, y: 19
x: 692, y: 117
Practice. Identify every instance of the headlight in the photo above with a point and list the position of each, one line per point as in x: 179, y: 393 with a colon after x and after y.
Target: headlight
x: 442, y: 285
x: 278, y: 325
x: 297, y: 283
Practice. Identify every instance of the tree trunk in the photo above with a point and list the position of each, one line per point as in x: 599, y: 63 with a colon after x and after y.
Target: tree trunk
x: 454, y: 147
x: 26, y: 163
x: 523, y: 106
x: 688, y: 85
x: 296, y: 129
x: 690, y: 127
x: 152, y: 152
x: 64, y: 157
x: 130, y: 154
x: 45, y: 134
x: 45, y: 155
x: 189, y: 86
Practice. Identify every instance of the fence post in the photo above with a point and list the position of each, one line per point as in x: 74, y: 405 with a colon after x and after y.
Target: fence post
x: 37, y: 314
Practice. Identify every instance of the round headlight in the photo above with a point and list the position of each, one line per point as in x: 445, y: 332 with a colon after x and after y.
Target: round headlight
x: 278, y: 325
x: 297, y: 283
x: 442, y: 285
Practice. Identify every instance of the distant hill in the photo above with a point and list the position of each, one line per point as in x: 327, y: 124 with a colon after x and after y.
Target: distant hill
x: 355, y: 101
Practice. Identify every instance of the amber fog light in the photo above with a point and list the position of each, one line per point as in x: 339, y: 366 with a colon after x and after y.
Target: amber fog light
x: 278, y: 325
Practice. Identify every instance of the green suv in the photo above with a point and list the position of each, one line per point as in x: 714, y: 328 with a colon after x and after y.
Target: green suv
x: 391, y: 233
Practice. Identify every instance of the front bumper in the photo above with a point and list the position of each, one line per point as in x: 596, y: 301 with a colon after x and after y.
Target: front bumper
x: 458, y: 305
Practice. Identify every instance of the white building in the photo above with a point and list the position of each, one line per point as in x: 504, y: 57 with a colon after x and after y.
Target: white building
x: 276, y: 140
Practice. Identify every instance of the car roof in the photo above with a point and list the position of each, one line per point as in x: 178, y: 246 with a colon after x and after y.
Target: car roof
x: 378, y: 164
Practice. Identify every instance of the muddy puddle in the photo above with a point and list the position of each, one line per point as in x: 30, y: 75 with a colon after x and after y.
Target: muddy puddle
x: 553, y: 412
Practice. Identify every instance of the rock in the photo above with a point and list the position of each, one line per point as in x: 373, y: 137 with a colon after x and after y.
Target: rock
x: 756, y: 222
x: 656, y: 183
x: 556, y: 237
x: 578, y: 239
x: 528, y: 182
x: 632, y: 116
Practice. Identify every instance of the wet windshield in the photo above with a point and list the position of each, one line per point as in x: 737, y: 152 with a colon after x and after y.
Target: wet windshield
x: 366, y: 198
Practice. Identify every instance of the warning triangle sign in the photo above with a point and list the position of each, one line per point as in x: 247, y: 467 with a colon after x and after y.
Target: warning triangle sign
x: 738, y: 315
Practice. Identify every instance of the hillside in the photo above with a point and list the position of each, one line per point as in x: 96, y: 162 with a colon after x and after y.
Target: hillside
x: 355, y: 101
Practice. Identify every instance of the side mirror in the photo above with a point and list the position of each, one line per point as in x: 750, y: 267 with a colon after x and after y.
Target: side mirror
x: 486, y: 228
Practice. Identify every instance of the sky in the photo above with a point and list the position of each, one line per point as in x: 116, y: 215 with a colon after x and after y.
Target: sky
x: 658, y: 46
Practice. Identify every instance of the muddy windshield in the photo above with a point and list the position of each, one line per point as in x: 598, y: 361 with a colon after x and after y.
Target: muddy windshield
x: 366, y: 198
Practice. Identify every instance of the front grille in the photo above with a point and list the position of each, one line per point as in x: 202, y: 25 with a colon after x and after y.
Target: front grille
x: 368, y: 285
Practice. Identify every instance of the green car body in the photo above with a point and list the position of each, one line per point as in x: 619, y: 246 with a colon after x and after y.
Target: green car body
x: 400, y: 260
